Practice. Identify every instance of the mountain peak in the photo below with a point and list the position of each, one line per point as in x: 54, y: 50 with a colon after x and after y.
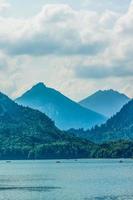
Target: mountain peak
x: 109, y: 91
x: 106, y: 102
x: 39, y: 85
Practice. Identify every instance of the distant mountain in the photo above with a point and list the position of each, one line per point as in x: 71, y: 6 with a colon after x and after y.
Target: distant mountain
x: 119, y: 127
x: 107, y: 102
x: 65, y: 112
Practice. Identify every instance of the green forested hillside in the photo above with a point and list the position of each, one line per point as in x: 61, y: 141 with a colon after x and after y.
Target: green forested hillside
x: 117, y: 149
x: 119, y: 127
x: 26, y: 133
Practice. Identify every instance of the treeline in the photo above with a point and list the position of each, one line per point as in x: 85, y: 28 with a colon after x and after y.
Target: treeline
x: 15, y: 149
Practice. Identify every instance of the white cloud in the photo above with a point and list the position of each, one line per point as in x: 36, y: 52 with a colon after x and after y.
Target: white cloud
x: 4, y: 5
x: 58, y: 29
x: 116, y: 61
x: 81, y: 45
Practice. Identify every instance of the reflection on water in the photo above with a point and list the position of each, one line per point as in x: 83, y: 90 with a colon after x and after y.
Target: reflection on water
x: 66, y: 180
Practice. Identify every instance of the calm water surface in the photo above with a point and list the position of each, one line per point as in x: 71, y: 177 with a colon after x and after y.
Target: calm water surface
x: 66, y: 180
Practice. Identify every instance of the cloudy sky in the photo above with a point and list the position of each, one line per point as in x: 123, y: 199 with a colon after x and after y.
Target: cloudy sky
x: 76, y: 47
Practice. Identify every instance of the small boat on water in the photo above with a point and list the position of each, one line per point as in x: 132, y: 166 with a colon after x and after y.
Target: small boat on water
x: 8, y: 161
x: 58, y: 161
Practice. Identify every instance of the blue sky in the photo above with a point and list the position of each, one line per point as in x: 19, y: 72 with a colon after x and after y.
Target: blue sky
x: 30, y: 7
x: 77, y: 46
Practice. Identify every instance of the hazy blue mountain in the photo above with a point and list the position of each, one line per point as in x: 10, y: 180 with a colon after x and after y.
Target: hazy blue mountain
x: 118, y: 127
x: 65, y: 112
x: 107, y: 102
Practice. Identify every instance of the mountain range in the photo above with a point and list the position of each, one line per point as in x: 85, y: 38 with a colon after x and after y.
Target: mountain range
x: 26, y: 133
x: 118, y: 127
x: 65, y: 112
x: 29, y: 134
x: 107, y: 102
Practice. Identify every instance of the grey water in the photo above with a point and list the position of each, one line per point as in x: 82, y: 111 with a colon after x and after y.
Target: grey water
x: 66, y: 180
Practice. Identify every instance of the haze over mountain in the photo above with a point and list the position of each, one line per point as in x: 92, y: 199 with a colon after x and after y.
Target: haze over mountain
x: 107, y: 102
x: 119, y: 127
x: 65, y: 112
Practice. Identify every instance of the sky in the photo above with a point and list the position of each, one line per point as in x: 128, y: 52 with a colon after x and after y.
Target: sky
x: 74, y: 46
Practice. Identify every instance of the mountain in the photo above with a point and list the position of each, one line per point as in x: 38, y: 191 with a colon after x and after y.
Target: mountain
x: 119, y: 127
x: 65, y: 112
x: 107, y: 102
x: 26, y: 134
x: 29, y: 134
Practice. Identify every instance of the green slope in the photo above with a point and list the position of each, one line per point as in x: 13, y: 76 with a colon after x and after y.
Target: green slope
x: 119, y: 127
x: 26, y: 133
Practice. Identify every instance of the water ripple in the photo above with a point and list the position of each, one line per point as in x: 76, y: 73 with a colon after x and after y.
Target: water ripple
x: 111, y: 198
x: 37, y: 189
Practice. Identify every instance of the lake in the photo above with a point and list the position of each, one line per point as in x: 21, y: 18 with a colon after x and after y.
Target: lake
x: 66, y: 180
